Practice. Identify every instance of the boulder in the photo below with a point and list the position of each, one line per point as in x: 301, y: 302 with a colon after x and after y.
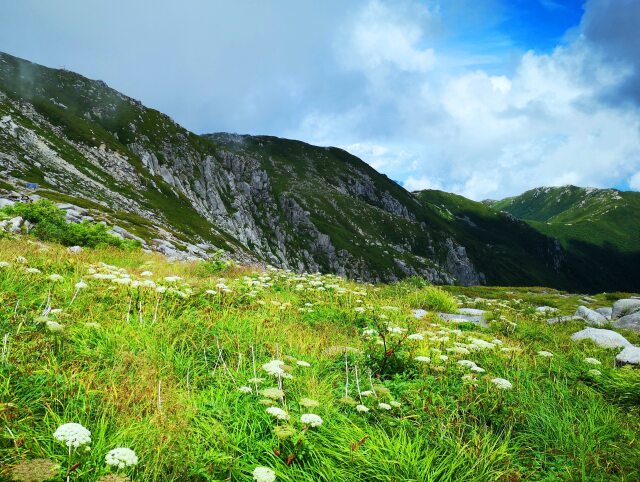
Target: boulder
x: 546, y: 309
x: 625, y: 306
x: 562, y: 319
x: 6, y: 202
x: 15, y: 224
x: 74, y: 249
x: 603, y: 338
x: 593, y: 318
x: 606, y: 312
x: 471, y: 311
x: 629, y: 322
x: 630, y: 355
x: 418, y: 313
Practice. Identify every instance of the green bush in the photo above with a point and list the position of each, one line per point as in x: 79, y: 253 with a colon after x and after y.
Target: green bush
x: 49, y: 224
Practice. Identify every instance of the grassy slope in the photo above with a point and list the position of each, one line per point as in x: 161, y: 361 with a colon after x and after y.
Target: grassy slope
x: 557, y: 423
x: 595, y: 216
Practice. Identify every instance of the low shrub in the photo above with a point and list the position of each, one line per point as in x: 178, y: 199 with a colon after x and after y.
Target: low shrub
x: 49, y: 224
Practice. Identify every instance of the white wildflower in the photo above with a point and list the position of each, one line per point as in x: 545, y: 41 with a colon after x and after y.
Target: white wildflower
x: 32, y: 270
x: 172, y: 279
x: 395, y: 404
x: 4, y: 264
x: 502, y: 384
x: 245, y: 389
x: 21, y: 259
x: 422, y: 359
x: 595, y: 373
x: 311, y: 419
x: 416, y: 337
x: 592, y: 361
x: 384, y: 406
x: 81, y: 285
x: 359, y: 309
x: 303, y: 363
x: 73, y: 435
x: 121, y: 457
x: 146, y: 274
x: 278, y: 413
x: 366, y: 393
x: 264, y: 474
x: 546, y: 354
x: 467, y: 363
x: 361, y: 408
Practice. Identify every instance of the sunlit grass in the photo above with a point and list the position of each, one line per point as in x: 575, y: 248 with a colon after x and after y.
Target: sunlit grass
x: 159, y: 371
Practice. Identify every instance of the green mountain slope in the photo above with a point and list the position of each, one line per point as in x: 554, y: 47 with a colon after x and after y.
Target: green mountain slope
x: 262, y: 199
x: 595, y: 216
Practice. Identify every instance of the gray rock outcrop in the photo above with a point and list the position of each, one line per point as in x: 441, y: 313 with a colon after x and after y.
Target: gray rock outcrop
x: 628, y: 322
x: 630, y: 355
x: 624, y: 307
x: 603, y: 338
x: 593, y: 318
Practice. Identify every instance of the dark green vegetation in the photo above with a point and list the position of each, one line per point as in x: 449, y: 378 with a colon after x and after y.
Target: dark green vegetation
x: 49, y: 225
x: 601, y: 227
x: 141, y: 368
x: 288, y: 203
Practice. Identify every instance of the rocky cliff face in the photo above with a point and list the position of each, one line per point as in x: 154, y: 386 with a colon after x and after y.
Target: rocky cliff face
x: 262, y: 199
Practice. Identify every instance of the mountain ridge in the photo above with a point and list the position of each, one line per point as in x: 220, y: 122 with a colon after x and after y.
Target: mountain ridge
x: 260, y: 198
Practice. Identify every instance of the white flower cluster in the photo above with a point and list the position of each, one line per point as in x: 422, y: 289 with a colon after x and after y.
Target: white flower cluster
x: 311, y: 419
x: 502, y: 384
x: 73, y: 435
x: 121, y: 457
x: 274, y: 367
x: 263, y: 474
x: 278, y: 413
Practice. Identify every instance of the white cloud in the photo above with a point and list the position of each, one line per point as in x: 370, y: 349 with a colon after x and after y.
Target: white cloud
x: 483, y: 135
x: 418, y: 184
x: 381, y: 38
x: 634, y: 181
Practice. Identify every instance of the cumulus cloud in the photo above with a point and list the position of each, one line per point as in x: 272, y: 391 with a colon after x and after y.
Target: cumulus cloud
x: 634, y: 181
x: 552, y: 120
x: 411, y: 86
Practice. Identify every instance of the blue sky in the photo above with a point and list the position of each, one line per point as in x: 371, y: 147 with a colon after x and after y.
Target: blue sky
x: 486, y: 98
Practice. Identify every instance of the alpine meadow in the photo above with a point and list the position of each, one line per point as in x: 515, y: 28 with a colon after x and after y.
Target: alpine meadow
x: 392, y: 274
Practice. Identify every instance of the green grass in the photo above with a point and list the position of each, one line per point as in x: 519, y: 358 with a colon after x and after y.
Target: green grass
x: 556, y: 423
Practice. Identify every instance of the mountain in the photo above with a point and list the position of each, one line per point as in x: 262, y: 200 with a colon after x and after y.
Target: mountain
x: 261, y: 199
x: 600, y: 226
x: 570, y: 213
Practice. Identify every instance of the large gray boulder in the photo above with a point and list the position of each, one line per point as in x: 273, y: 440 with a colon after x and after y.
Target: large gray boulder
x: 603, y: 338
x: 15, y: 224
x: 624, y: 307
x: 593, y: 318
x: 628, y: 322
x: 630, y: 355
x: 471, y: 311
x: 5, y: 202
x: 605, y: 311
x: 546, y: 309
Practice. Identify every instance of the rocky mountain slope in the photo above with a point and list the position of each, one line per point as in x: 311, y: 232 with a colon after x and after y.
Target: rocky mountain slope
x: 261, y: 199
